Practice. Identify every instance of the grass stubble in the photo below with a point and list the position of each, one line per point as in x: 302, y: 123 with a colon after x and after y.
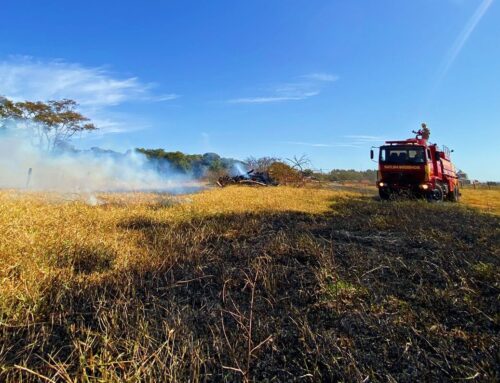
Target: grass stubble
x: 245, y: 284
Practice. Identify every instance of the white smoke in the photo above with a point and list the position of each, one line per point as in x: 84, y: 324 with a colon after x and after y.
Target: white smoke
x: 82, y: 171
x: 239, y: 170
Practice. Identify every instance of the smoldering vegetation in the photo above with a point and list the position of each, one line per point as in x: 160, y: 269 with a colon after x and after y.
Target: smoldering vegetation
x: 368, y: 291
x: 36, y: 154
x: 28, y: 167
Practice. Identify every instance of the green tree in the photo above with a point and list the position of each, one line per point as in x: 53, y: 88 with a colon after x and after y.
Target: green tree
x: 177, y: 161
x: 50, y: 124
x: 352, y: 175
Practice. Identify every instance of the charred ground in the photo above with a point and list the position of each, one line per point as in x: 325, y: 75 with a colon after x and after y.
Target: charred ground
x: 400, y: 291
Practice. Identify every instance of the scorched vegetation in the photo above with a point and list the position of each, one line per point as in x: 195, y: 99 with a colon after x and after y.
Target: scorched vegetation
x: 245, y: 284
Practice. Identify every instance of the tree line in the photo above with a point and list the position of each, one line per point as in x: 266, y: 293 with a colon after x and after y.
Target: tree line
x: 343, y: 175
x: 196, y: 165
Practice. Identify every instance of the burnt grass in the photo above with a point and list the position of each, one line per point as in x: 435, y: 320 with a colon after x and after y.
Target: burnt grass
x: 370, y: 291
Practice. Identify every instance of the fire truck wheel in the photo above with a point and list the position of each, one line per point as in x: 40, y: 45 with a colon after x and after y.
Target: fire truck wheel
x: 436, y: 195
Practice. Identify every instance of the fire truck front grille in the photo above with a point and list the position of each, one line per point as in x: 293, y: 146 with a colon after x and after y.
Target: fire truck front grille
x: 403, y: 178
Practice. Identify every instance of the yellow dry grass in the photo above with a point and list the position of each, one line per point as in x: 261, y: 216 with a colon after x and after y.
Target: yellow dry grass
x: 150, y: 287
x: 483, y: 197
x: 37, y: 230
x: 487, y: 200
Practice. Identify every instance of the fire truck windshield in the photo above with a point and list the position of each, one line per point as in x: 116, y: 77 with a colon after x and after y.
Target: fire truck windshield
x: 402, y: 154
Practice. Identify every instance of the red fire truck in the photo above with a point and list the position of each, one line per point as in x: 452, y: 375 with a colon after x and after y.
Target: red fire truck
x: 416, y: 167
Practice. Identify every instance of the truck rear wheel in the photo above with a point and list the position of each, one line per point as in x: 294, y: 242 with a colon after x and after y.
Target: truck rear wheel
x: 454, y: 196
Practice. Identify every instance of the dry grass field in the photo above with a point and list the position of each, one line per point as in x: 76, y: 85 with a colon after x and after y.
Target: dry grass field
x: 248, y: 284
x: 483, y: 198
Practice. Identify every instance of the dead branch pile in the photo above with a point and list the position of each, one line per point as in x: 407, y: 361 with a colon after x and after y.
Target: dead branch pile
x: 250, y: 178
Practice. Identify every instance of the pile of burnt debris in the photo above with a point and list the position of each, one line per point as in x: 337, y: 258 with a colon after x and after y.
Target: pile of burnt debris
x: 249, y: 178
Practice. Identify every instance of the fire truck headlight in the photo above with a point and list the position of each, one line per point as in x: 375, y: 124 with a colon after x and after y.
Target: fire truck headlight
x: 382, y: 184
x: 424, y: 186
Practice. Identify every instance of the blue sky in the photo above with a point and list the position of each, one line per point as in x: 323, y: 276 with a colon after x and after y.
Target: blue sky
x: 266, y: 77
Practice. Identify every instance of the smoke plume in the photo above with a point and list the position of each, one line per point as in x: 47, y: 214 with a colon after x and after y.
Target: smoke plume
x: 26, y: 166
x: 239, y: 170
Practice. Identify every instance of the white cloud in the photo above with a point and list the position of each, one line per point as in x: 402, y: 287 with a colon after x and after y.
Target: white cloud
x: 27, y: 78
x: 94, y: 88
x: 364, y: 138
x: 321, y: 77
x: 310, y: 85
x: 263, y: 100
x: 165, y: 97
x: 108, y: 125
